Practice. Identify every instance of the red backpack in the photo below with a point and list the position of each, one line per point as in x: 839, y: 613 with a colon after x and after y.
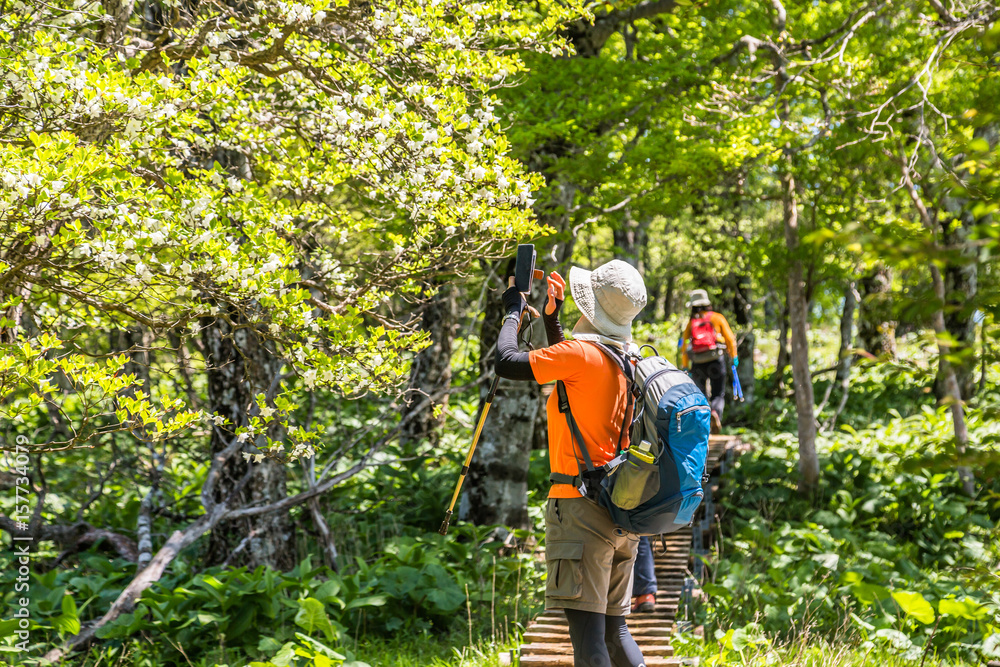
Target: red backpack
x: 703, y: 333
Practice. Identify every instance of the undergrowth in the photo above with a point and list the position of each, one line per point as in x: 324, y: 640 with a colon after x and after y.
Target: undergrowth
x: 891, y: 558
x: 889, y: 565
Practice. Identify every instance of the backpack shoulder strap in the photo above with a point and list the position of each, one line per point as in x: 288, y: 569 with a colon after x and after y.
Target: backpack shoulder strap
x: 574, y: 431
x: 621, y: 359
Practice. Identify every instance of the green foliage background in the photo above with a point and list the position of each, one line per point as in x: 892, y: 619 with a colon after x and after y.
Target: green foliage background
x: 371, y: 181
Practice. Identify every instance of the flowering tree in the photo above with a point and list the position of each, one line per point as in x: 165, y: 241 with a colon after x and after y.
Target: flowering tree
x: 238, y: 189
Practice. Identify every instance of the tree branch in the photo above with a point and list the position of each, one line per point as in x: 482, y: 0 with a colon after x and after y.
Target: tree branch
x: 589, y: 38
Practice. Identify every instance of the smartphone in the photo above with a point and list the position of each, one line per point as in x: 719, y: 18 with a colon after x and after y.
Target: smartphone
x: 524, y: 268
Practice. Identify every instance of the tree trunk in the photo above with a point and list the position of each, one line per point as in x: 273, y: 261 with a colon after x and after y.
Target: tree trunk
x: 240, y: 366
x: 986, y: 356
x: 876, y: 326
x: 654, y: 291
x: 630, y: 241
x: 783, y: 354
x: 117, y: 14
x: 738, y: 301
x: 846, y: 356
x: 430, y: 373
x: 496, y: 490
x: 630, y: 246
x: 798, y: 314
x: 961, y: 275
x: 668, y: 298
x: 138, y: 343
x: 945, y: 370
x: 961, y: 280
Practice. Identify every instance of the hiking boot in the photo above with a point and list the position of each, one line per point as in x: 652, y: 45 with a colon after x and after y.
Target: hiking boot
x: 716, y: 423
x: 644, y: 603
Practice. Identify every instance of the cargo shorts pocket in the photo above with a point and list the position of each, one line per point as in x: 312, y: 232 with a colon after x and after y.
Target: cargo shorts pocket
x: 564, y: 562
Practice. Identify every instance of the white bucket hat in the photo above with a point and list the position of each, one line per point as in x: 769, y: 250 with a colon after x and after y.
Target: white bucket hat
x: 699, y: 297
x: 609, y: 297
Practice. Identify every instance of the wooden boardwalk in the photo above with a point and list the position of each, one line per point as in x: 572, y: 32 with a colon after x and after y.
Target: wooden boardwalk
x: 545, y: 642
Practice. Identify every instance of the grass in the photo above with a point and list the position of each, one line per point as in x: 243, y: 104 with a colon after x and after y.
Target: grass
x: 445, y: 650
x: 811, y: 652
x: 453, y: 650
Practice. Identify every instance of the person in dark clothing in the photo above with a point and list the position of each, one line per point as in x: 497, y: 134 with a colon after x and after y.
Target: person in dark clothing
x: 706, y: 340
x: 644, y: 583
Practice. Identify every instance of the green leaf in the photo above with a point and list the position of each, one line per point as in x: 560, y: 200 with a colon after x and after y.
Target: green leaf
x: 207, y: 618
x: 979, y: 145
x: 739, y: 640
x: 829, y: 561
x: 367, y: 601
x: 117, y: 629
x: 7, y: 628
x: 328, y: 590
x: 285, y: 656
x: 67, y: 623
x: 915, y: 605
x: 869, y: 593
x: 312, y: 617
x: 268, y: 644
x: 966, y: 608
x: 320, y: 646
x: 68, y: 606
x: 895, y: 638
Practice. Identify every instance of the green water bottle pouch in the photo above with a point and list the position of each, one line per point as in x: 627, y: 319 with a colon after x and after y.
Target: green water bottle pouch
x: 637, y: 478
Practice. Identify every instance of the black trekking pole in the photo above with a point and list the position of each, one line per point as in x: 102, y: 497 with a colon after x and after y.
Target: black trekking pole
x: 524, y: 274
x: 468, y: 457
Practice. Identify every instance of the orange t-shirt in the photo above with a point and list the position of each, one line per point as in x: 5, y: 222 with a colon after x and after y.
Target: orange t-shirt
x: 597, y: 392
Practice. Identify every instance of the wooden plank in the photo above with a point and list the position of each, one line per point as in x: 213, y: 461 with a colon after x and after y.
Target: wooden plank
x: 644, y: 630
x: 662, y: 649
x: 634, y: 620
x: 567, y: 661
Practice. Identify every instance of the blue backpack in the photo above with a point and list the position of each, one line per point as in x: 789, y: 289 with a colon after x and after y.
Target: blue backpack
x: 654, y: 483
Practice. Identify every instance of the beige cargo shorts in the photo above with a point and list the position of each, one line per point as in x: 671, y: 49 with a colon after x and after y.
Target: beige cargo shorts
x: 589, y: 559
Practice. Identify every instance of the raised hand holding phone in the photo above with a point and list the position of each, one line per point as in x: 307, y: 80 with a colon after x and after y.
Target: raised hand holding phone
x: 556, y: 291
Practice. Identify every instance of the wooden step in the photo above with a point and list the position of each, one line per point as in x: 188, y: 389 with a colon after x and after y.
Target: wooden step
x: 634, y: 619
x: 659, y: 650
x: 563, y: 638
x: 567, y: 661
x: 661, y: 629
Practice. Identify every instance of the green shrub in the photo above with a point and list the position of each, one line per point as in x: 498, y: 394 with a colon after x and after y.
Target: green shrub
x: 891, y: 554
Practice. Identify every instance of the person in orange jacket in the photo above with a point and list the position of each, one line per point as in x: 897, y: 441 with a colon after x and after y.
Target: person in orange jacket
x: 706, y: 340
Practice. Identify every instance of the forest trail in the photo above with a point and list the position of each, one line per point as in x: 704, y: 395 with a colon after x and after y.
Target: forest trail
x: 546, y: 639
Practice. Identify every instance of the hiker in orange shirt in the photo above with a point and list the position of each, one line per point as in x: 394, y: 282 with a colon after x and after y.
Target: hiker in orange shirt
x: 705, y: 342
x: 589, y: 558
